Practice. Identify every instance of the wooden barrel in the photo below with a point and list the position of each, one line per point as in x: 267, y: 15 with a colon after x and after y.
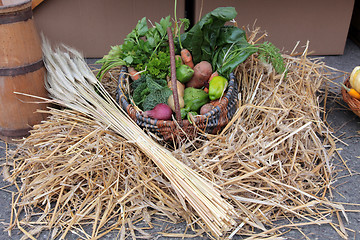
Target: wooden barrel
x: 21, y: 70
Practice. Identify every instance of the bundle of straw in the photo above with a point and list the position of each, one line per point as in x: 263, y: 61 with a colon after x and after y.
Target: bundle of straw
x: 273, y: 160
x: 76, y: 175
x: 72, y: 84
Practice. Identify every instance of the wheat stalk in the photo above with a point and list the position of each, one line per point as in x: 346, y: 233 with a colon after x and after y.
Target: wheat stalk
x: 72, y: 84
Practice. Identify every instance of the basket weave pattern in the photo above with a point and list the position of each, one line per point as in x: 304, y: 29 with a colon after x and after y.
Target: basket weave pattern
x: 353, y: 103
x: 211, y: 122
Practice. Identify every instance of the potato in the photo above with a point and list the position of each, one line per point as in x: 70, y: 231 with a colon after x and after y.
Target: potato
x: 202, y: 73
x: 206, y: 108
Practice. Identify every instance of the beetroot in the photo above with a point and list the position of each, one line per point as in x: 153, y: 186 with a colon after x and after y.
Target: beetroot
x: 161, y: 112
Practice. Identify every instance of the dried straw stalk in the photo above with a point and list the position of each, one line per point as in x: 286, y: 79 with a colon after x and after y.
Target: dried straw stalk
x: 274, y: 158
x: 79, y: 173
x: 273, y: 161
x: 71, y: 84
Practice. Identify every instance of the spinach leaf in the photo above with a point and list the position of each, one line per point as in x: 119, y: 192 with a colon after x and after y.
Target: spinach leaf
x: 201, y: 39
x: 232, y: 49
x: 231, y: 34
x: 225, y: 46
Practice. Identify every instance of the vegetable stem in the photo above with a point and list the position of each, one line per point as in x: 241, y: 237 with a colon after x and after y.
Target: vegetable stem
x: 156, y: 48
x: 173, y: 76
x: 176, y: 24
x: 177, y: 28
x: 352, y: 92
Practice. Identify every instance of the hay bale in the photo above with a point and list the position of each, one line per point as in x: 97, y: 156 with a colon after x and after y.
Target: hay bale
x: 271, y: 162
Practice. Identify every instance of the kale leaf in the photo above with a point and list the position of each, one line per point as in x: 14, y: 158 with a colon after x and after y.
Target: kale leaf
x: 149, y: 92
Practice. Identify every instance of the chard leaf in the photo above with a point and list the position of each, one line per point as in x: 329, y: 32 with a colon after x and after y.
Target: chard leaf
x: 230, y: 35
x: 201, y: 39
x: 232, y: 50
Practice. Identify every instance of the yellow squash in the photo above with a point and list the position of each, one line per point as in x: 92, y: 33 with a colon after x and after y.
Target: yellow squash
x: 355, y: 79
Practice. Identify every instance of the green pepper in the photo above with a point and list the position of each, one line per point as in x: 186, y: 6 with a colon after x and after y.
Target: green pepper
x: 217, y: 87
x: 184, y: 73
x: 194, y: 99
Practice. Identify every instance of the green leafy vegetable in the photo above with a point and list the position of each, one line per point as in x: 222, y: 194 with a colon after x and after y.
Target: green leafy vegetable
x: 232, y: 49
x: 227, y: 58
x: 149, y: 92
x: 158, y: 66
x: 201, y: 39
x: 270, y: 54
x: 226, y: 46
x: 141, y: 46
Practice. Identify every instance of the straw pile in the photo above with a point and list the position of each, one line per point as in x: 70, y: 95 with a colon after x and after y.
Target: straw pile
x: 272, y: 162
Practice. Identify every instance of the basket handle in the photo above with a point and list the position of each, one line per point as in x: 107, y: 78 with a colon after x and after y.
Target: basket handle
x: 173, y: 76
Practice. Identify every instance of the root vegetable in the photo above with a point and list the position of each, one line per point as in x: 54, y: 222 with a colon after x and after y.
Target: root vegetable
x: 180, y: 88
x: 160, y: 112
x: 171, y: 102
x: 206, y: 108
x: 133, y: 73
x: 187, y: 58
x: 202, y: 73
x: 209, y: 106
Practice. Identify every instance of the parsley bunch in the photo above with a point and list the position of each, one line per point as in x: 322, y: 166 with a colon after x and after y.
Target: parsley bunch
x: 144, y: 48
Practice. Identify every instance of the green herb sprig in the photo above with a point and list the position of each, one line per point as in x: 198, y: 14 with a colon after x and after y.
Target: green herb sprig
x: 229, y: 57
x: 141, y: 46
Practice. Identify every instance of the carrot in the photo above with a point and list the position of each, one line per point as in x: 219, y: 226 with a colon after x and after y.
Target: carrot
x: 214, y: 74
x: 133, y: 73
x: 187, y: 58
x: 352, y: 92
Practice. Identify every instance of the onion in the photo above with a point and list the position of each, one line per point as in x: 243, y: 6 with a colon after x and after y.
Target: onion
x: 161, y: 112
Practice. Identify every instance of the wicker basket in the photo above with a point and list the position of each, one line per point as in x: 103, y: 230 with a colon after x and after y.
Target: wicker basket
x: 211, y: 122
x: 353, y: 103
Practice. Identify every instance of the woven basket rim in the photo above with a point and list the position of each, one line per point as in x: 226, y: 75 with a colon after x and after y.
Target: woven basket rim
x: 223, y: 100
x: 210, y: 122
x: 353, y: 103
